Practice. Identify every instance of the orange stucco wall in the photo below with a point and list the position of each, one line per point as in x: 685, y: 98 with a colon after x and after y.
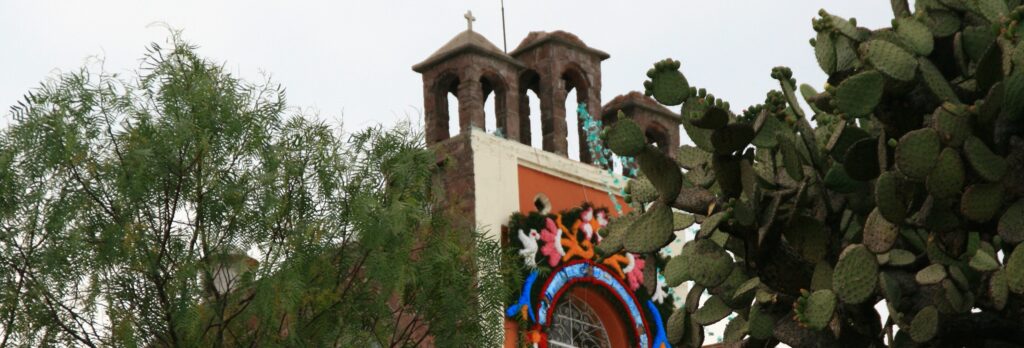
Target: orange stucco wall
x: 563, y: 194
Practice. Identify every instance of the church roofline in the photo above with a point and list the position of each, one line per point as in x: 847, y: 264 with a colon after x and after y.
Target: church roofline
x: 537, y: 38
x: 465, y: 42
x: 637, y: 99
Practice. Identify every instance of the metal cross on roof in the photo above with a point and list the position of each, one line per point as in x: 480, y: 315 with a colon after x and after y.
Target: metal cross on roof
x: 469, y: 19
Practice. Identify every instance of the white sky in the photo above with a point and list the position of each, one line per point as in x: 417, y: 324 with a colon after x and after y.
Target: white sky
x: 351, y: 60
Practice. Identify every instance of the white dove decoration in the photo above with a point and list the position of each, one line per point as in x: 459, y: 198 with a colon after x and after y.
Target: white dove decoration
x: 659, y: 291
x: 529, y: 250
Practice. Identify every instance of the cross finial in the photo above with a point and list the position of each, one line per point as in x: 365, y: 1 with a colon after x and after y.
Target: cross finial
x: 469, y: 19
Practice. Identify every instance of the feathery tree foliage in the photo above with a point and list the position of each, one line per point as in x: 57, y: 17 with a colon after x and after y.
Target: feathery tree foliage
x: 127, y: 205
x: 908, y: 194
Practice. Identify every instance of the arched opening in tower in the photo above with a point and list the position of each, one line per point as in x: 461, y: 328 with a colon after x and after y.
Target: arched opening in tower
x: 446, y: 109
x: 530, y: 132
x: 495, y: 118
x: 576, y: 91
x: 452, y: 104
x: 572, y: 122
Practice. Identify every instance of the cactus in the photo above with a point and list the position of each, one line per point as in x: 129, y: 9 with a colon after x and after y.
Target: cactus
x: 981, y: 201
x: 1011, y: 225
x: 713, y: 310
x: 667, y: 84
x: 879, y: 233
x: 925, y: 324
x: 908, y: 189
x: 988, y: 165
x: 859, y: 94
x: 947, y: 178
x: 814, y: 310
x: 704, y: 261
x: 855, y: 274
x: 916, y: 153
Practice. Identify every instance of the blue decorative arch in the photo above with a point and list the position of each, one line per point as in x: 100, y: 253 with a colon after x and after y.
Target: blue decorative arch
x: 586, y: 271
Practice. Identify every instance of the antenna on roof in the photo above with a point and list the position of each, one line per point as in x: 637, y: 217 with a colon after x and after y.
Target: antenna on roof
x: 504, y: 40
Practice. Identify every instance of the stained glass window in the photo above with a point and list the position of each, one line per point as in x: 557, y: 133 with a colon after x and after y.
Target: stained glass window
x: 575, y: 325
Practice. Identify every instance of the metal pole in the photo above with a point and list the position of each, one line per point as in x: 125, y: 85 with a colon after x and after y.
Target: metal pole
x: 504, y: 39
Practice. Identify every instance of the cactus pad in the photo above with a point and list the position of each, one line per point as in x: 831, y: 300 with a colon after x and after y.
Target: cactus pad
x: 735, y: 330
x: 651, y: 231
x: 1015, y: 270
x: 615, y: 234
x: 732, y: 138
x: 900, y: 257
x: 925, y: 324
x: 808, y: 236
x: 856, y: 274
x: 947, y: 179
x: 988, y: 165
x: 935, y: 82
x: 915, y: 34
x: 791, y: 158
x: 952, y: 123
x: 822, y: 276
x: 681, y: 221
x: 825, y: 52
x: 998, y: 289
x: 641, y: 190
x: 761, y: 323
x: 625, y: 138
x: 709, y: 117
x: 1011, y: 225
x: 933, y: 274
x: 700, y: 136
x: 667, y: 84
x: 766, y: 135
x: 879, y: 233
x: 675, y: 271
x: 862, y: 160
x: 663, y: 173
x: 858, y: 94
x: 690, y: 157
x: 916, y: 153
x: 713, y: 310
x: 838, y: 180
x: 980, y: 202
x: 677, y: 326
x: 888, y: 197
x: 890, y: 59
x: 814, y: 310
x: 841, y: 141
x: 705, y: 262
x: 982, y: 261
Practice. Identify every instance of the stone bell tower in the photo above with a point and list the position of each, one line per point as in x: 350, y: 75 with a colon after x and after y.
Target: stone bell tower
x: 487, y: 177
x: 489, y: 174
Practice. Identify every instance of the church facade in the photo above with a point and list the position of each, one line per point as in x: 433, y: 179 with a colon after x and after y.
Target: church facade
x: 537, y: 200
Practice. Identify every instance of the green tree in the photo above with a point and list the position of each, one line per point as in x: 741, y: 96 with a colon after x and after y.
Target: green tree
x: 127, y: 206
x: 907, y: 194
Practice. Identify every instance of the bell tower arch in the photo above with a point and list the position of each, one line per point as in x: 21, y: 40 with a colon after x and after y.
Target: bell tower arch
x: 559, y: 62
x: 473, y: 69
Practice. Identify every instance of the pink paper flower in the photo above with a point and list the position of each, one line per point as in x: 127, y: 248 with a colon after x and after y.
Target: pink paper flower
x: 634, y: 271
x: 552, y: 237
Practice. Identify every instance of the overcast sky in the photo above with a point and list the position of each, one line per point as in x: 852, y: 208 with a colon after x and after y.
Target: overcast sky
x: 351, y: 60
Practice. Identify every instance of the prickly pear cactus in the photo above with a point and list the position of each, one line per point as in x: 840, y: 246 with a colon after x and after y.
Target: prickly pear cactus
x: 901, y: 188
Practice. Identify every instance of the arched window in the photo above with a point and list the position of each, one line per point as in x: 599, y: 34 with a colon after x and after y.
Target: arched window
x: 576, y: 325
x: 529, y: 110
x: 576, y: 91
x: 494, y: 108
x: 446, y: 108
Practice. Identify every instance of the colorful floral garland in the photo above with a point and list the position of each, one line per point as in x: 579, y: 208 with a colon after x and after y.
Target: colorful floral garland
x: 560, y: 249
